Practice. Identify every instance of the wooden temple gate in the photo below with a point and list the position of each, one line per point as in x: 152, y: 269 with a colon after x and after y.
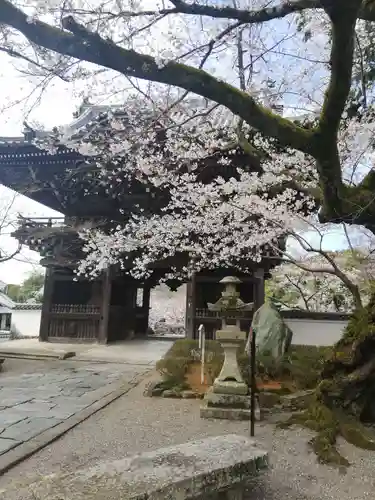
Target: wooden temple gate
x: 106, y: 310
x: 114, y: 307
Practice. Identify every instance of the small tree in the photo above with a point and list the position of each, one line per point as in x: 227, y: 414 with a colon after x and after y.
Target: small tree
x: 29, y: 289
x: 322, y: 280
x: 306, y: 285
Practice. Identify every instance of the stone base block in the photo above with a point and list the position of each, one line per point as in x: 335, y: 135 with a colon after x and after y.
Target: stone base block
x: 215, y: 399
x: 230, y: 387
x: 224, y: 413
x: 228, y: 406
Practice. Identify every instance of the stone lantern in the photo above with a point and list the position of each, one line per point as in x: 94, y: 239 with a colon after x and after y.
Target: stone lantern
x: 228, y: 397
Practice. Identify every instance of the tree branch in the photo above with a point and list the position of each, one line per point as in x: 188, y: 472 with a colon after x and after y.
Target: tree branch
x: 296, y: 285
x: 18, y: 55
x: 245, y: 16
x: 12, y: 255
x: 366, y: 12
x: 334, y: 270
x: 343, y: 17
x: 90, y: 47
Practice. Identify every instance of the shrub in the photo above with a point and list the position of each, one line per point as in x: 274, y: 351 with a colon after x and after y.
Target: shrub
x: 301, y: 366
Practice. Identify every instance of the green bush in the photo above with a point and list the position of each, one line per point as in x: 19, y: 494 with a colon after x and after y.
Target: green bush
x: 301, y: 366
x: 304, y: 364
x: 175, y: 364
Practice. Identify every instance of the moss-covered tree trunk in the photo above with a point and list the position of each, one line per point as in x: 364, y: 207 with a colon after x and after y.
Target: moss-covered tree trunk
x: 349, y: 375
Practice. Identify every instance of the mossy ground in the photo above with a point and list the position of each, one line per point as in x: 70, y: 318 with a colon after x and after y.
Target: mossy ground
x: 345, y: 392
x: 329, y: 425
x: 299, y: 369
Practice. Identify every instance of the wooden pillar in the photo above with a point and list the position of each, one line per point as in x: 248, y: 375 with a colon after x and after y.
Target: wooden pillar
x: 187, y: 308
x: 146, y: 306
x: 190, y: 308
x: 105, y: 307
x: 49, y: 283
x: 259, y: 288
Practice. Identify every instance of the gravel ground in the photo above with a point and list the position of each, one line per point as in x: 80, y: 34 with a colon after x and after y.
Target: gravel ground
x: 135, y: 423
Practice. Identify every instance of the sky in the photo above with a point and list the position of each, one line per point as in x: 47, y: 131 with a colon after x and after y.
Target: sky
x: 56, y: 108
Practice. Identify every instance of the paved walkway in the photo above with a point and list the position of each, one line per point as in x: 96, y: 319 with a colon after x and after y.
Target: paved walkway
x: 137, y: 351
x: 46, y: 395
x: 36, y: 396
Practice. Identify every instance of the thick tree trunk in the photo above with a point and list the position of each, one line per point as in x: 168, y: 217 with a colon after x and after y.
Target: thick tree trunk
x: 349, y: 375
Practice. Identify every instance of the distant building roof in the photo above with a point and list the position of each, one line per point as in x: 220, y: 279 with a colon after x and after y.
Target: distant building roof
x: 6, y: 301
x: 27, y: 307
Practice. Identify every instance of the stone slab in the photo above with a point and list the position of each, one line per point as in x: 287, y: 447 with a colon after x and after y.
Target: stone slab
x: 226, y: 400
x: 10, y: 417
x: 35, y: 354
x: 13, y: 400
x: 7, y: 444
x: 208, y: 466
x: 65, y: 411
x: 230, y: 387
x: 228, y: 413
x: 36, y: 409
x: 133, y: 352
x: 28, y: 448
x: 224, y: 413
x: 29, y: 428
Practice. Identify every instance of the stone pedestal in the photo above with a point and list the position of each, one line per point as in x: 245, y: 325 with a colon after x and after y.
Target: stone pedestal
x: 229, y: 396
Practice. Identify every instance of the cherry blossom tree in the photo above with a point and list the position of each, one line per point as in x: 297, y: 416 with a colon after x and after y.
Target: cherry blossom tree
x: 230, y: 216
x: 168, y: 307
x: 177, y: 49
x: 313, y: 285
x: 316, y: 279
x: 114, y: 38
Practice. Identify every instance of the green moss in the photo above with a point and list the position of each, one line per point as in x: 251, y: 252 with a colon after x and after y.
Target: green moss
x: 343, y: 357
x: 324, y: 447
x: 326, y: 386
x: 356, y: 433
x: 166, y: 384
x: 322, y: 420
x: 360, y: 326
x: 329, y: 425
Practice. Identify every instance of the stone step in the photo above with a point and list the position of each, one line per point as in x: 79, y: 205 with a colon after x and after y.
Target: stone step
x: 194, y: 470
x: 36, y: 355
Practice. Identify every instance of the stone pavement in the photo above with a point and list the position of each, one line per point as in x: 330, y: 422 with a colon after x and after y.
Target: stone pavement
x: 36, y: 396
x: 137, y: 351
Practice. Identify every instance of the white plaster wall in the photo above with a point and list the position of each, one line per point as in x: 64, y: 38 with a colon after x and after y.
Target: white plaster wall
x: 26, y: 323
x: 316, y: 332
x: 305, y: 331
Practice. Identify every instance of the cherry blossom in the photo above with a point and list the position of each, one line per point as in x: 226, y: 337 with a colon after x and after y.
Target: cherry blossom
x: 310, y: 288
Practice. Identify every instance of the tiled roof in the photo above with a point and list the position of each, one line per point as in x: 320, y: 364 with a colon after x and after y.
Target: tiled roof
x: 6, y: 301
x: 27, y: 307
x: 91, y: 118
